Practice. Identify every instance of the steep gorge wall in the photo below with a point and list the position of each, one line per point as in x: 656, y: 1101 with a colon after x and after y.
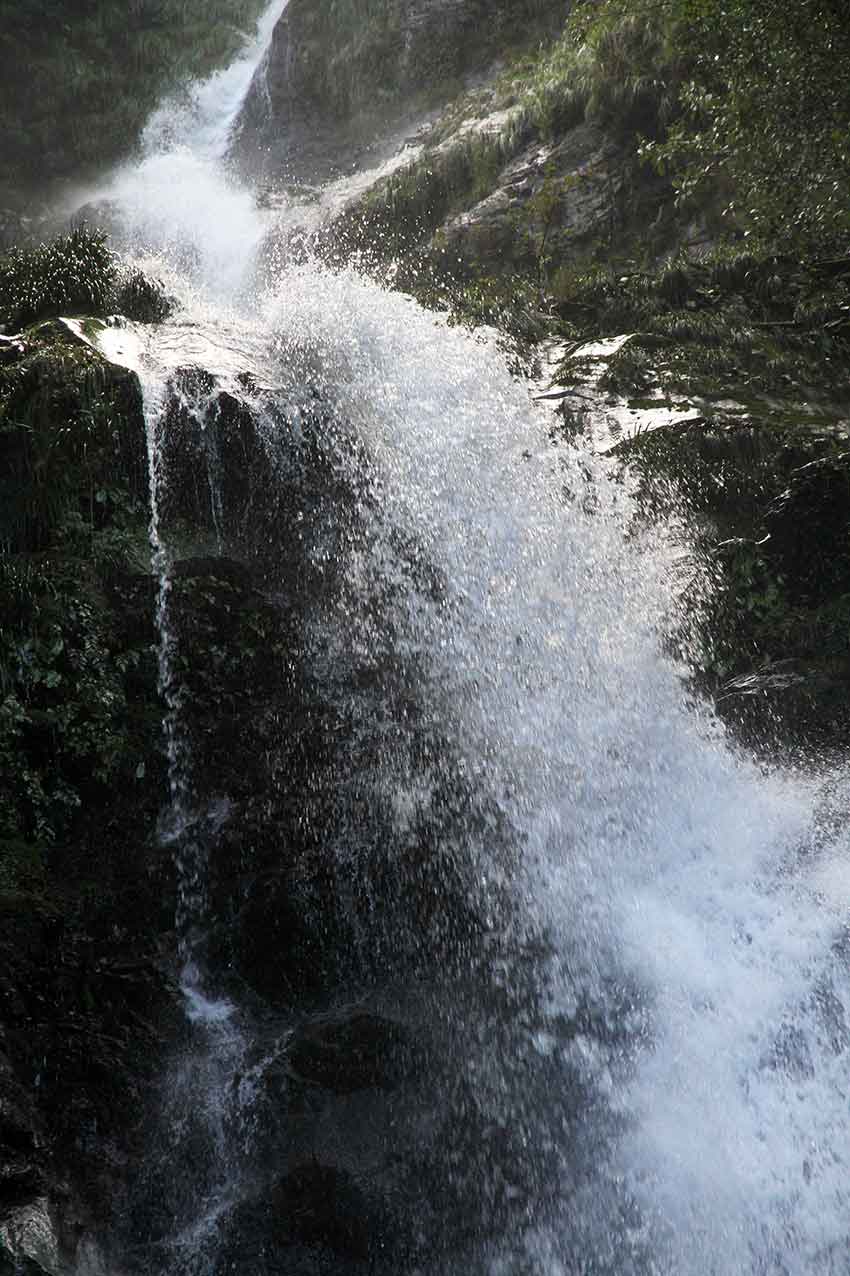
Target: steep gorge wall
x: 339, y: 60
x: 361, y: 65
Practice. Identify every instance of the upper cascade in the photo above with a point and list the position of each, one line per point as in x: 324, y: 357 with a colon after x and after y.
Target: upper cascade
x: 203, y: 122
x: 178, y: 203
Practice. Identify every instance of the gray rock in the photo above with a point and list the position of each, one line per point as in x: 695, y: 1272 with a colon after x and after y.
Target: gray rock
x: 334, y: 74
x: 551, y: 196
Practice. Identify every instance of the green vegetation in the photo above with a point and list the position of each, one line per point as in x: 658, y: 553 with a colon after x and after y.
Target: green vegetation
x: 71, y: 531
x: 400, y: 213
x: 743, y: 103
x: 79, y: 81
x: 764, y: 112
x: 613, y: 62
x: 734, y: 321
x: 744, y: 109
x: 80, y: 715
x: 760, y: 344
x: 73, y: 274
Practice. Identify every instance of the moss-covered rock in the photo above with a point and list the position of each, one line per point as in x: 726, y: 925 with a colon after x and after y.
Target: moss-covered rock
x: 82, y: 1000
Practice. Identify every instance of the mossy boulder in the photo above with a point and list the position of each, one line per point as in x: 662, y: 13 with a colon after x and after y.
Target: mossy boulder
x: 83, y: 1000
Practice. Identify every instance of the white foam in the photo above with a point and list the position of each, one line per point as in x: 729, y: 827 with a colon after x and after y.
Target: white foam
x: 201, y: 120
x: 657, y: 854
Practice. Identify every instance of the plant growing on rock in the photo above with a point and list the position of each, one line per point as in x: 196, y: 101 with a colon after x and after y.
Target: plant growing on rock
x: 139, y: 297
x: 73, y: 273
x: 765, y: 105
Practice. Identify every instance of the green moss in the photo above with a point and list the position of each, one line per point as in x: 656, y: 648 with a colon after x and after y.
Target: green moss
x: 67, y: 420
x: 73, y: 515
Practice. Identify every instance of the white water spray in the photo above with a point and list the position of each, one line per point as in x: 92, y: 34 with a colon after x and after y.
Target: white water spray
x: 178, y: 202
x: 656, y: 857
x: 201, y: 121
x: 652, y: 850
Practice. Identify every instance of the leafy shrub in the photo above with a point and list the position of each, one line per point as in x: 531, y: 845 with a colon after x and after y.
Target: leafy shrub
x: 765, y: 108
x: 62, y: 732
x: 139, y: 297
x: 75, y: 272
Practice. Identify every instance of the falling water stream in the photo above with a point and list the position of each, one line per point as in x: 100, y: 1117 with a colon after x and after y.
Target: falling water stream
x: 656, y: 1018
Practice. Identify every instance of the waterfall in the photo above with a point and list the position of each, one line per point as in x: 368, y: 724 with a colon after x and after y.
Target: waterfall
x: 616, y: 946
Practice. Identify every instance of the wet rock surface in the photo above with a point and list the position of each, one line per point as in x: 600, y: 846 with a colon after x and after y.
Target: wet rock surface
x: 573, y: 192
x: 335, y: 78
x: 354, y: 1053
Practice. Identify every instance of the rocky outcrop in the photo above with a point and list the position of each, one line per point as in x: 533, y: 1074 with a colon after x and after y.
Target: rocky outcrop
x: 556, y: 200
x: 346, y: 921
x: 441, y: 156
x: 340, y: 72
x: 84, y: 1002
x: 545, y: 202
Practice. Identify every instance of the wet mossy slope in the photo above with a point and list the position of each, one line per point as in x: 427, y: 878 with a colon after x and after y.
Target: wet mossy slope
x: 81, y: 776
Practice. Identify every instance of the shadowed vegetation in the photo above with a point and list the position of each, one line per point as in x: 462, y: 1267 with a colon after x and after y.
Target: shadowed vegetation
x: 80, y: 79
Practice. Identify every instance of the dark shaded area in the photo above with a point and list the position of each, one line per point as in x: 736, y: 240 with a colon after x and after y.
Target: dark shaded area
x: 79, y: 82
x: 85, y: 1003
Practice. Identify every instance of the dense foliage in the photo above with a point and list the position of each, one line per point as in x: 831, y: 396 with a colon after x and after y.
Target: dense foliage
x: 73, y: 512
x: 745, y: 103
x: 80, y: 79
x: 73, y: 274
x: 70, y: 530
x: 765, y: 108
x: 76, y: 272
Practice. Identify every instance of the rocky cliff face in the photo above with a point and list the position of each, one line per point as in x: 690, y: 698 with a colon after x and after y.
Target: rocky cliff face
x: 445, y: 132
x: 84, y: 1000
x: 343, y: 75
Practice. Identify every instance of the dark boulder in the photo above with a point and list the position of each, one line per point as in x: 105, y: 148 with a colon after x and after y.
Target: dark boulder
x: 353, y: 1053
x: 808, y: 529
x: 315, y: 1220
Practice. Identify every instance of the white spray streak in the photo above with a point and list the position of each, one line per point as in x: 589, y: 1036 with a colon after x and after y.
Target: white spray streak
x: 654, y: 851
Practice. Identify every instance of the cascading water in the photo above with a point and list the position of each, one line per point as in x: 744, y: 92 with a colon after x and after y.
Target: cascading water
x: 624, y: 943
